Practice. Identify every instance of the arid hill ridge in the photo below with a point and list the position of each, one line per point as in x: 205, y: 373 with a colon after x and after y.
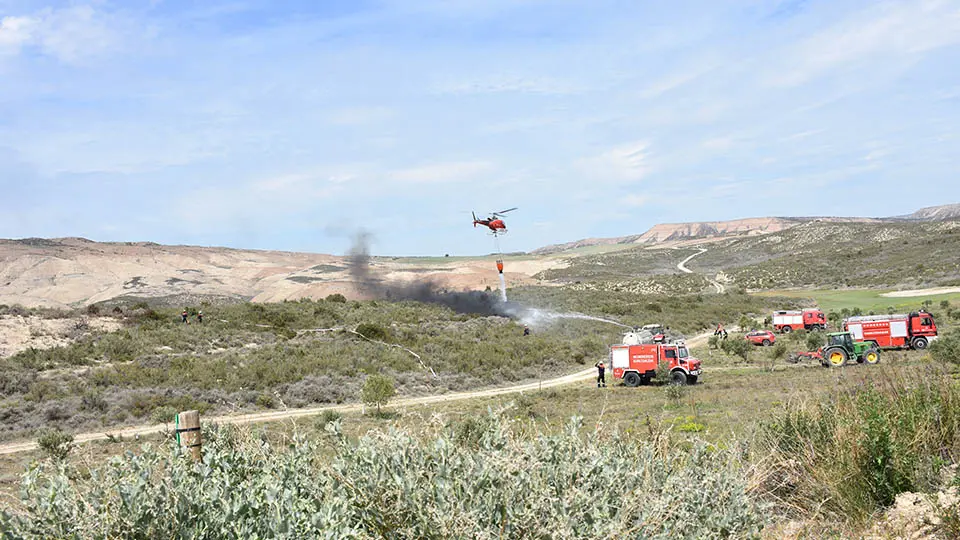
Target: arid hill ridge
x: 72, y: 272
x: 676, y: 232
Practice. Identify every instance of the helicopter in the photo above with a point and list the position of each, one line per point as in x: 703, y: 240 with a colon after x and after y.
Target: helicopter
x: 494, y: 222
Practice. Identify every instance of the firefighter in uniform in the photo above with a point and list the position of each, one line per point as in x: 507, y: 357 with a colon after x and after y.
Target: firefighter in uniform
x: 601, y: 367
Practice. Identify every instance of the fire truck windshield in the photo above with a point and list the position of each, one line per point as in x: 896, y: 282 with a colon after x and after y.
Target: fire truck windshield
x: 682, y: 352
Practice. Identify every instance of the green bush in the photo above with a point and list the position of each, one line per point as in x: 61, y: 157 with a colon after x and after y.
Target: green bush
x: 814, y: 341
x: 337, y: 298
x: 494, y: 482
x: 946, y: 349
x: 54, y: 443
x: 738, y: 346
x: 373, y: 331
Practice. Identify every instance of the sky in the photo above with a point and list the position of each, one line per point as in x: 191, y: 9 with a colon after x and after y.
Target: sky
x: 292, y: 125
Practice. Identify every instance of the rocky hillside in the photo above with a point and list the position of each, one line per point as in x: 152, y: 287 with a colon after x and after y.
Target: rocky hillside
x: 680, y: 232
x: 71, y: 272
x: 935, y: 213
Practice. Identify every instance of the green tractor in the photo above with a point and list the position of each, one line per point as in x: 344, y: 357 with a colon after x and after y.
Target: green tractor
x: 841, y: 348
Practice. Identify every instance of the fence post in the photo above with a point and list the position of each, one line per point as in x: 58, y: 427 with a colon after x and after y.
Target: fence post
x: 188, y: 433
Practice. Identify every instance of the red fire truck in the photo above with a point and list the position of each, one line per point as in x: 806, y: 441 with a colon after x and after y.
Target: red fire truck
x: 637, y: 364
x: 808, y: 319
x: 913, y: 331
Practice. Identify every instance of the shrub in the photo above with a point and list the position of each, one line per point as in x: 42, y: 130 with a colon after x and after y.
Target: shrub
x: 946, y: 349
x: 396, y: 485
x: 54, y: 443
x: 377, y: 390
x: 326, y: 417
x: 163, y: 415
x: 737, y: 346
x: 265, y: 401
x: 814, y: 341
x: 373, y: 331
x: 854, y: 453
x: 337, y: 298
x: 675, y: 392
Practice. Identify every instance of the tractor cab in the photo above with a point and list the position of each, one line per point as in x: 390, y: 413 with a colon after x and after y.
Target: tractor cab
x: 840, y: 339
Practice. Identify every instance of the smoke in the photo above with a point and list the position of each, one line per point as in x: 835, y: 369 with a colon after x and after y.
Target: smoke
x: 476, y: 302
x: 426, y: 291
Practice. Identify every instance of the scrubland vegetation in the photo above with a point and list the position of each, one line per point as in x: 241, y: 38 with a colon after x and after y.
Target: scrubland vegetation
x: 756, y: 447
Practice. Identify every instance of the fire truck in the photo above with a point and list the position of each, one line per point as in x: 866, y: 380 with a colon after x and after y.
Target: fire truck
x: 913, y: 331
x: 807, y: 319
x: 637, y: 364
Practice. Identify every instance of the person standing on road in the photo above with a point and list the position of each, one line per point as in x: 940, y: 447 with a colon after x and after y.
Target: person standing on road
x: 601, y: 380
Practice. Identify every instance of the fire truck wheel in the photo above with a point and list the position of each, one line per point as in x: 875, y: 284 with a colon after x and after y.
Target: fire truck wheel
x: 678, y: 377
x: 631, y: 379
x: 919, y: 343
x: 787, y: 329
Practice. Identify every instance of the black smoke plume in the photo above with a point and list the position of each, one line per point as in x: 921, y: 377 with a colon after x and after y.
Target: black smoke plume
x: 424, y: 290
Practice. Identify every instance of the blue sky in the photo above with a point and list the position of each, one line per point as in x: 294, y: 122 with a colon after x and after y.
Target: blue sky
x: 292, y: 124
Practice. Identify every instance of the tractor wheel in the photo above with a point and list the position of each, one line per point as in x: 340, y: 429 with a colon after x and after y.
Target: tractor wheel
x: 835, y: 357
x: 871, y: 355
x: 692, y: 379
x: 678, y: 377
x: 787, y: 329
x: 919, y: 343
x: 766, y: 343
x: 631, y: 379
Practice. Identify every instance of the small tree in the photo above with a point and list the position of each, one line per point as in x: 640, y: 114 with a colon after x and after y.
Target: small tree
x: 746, y: 323
x: 814, y: 341
x: 739, y: 347
x: 377, y: 390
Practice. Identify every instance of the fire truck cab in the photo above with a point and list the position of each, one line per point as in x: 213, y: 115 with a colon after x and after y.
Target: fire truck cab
x: 913, y: 331
x: 807, y: 319
x: 637, y: 364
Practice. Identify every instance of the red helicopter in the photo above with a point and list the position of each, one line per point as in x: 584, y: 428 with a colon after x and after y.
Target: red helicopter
x: 494, y: 222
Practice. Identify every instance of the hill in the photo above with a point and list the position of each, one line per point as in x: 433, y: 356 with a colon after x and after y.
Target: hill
x: 702, y: 230
x: 815, y: 253
x: 69, y: 272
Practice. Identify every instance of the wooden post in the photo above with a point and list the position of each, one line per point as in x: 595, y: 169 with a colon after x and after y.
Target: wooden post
x: 188, y: 433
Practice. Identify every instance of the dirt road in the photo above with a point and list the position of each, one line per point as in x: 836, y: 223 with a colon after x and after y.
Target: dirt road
x: 273, y: 416
x: 682, y: 266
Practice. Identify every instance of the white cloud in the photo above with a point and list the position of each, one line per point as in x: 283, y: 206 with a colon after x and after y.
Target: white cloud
x: 15, y: 32
x: 624, y: 162
x: 885, y: 32
x: 71, y: 35
x: 440, y: 173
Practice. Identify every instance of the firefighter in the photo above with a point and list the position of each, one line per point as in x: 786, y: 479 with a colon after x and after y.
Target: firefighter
x: 601, y: 380
x: 719, y: 330
x: 200, y: 316
x: 184, y: 316
x: 526, y: 330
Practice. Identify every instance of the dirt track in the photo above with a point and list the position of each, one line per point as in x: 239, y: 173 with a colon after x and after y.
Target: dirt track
x: 273, y: 416
x: 682, y: 266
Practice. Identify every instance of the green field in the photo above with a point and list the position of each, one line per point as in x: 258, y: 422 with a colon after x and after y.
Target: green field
x: 866, y: 300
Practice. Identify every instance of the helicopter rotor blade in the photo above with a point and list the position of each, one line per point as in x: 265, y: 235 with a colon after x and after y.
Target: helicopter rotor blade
x: 504, y: 211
